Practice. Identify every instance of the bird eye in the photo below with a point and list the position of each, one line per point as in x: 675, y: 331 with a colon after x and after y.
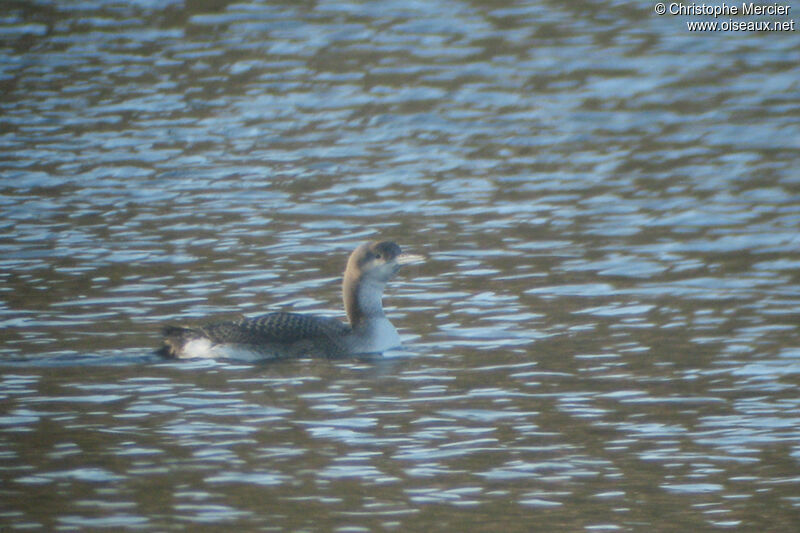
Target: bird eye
x: 377, y: 256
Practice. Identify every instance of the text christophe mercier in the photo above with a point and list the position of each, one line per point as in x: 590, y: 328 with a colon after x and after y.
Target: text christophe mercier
x: 728, y: 10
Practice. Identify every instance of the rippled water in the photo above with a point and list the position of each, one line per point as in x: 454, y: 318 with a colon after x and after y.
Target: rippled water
x: 605, y: 337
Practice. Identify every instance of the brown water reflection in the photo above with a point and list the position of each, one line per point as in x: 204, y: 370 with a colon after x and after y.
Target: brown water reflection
x: 605, y: 337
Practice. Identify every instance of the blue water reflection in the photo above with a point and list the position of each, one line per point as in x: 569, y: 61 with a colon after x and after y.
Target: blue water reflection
x: 604, y: 337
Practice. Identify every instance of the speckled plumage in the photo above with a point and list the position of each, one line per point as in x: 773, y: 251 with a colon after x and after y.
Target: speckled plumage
x: 271, y: 332
x: 279, y: 335
x: 274, y: 327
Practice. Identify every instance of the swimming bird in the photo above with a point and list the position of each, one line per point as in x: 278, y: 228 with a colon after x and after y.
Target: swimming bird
x: 282, y: 334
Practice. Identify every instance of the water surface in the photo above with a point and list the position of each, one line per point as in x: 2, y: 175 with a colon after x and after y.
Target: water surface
x: 604, y: 338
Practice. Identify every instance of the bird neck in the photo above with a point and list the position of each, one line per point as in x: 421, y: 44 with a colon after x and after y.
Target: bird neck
x: 362, y: 299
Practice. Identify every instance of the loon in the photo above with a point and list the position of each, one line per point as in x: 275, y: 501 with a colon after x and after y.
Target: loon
x: 283, y: 335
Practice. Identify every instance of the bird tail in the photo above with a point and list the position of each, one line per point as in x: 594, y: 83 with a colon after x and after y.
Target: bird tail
x: 175, y: 338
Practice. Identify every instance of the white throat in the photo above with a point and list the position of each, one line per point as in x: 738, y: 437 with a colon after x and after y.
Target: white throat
x: 372, y: 331
x: 369, y: 298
